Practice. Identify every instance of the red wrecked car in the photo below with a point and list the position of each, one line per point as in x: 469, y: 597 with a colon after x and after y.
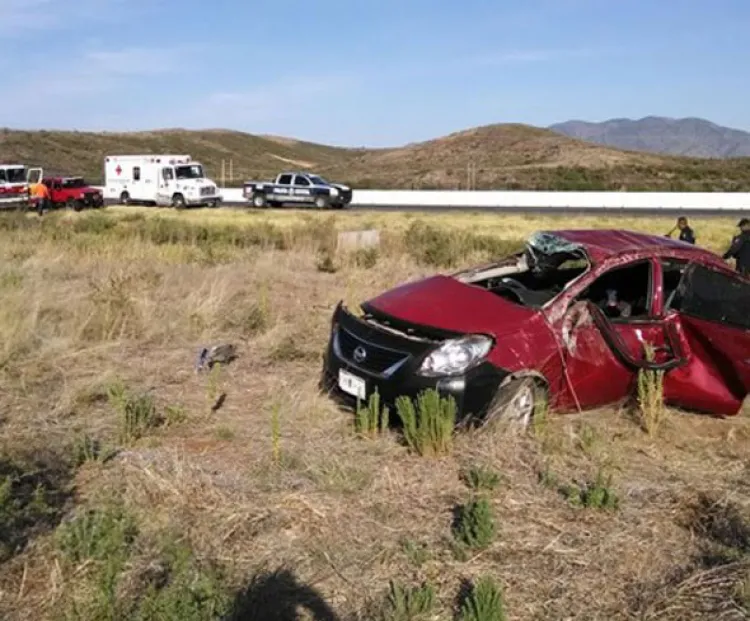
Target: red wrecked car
x: 569, y: 320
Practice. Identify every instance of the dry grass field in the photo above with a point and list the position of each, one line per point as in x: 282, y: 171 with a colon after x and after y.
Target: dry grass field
x: 133, y: 487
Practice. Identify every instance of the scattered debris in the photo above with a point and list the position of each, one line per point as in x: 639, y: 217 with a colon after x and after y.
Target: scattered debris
x: 218, y: 354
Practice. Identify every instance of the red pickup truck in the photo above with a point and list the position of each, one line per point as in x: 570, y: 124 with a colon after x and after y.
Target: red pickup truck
x: 73, y: 193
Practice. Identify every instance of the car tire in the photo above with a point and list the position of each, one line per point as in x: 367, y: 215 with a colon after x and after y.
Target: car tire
x: 124, y: 198
x: 259, y: 201
x: 517, y: 402
x: 178, y: 201
x: 321, y: 202
x: 70, y: 204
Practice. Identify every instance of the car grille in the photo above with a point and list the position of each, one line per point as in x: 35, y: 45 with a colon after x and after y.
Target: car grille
x: 378, y: 359
x: 207, y: 190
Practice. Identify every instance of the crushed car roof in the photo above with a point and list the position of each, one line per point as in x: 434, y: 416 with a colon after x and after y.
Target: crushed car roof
x: 605, y: 244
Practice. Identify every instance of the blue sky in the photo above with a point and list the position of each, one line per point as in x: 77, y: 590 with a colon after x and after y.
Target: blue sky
x: 366, y: 72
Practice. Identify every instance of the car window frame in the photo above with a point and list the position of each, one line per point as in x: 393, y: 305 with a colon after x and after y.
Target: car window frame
x: 583, y: 282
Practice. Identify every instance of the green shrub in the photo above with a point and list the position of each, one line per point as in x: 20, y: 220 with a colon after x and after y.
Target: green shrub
x: 371, y: 418
x: 410, y: 603
x: 474, y: 526
x: 484, y: 602
x: 596, y: 494
x: 428, y: 427
x: 137, y: 413
x: 104, y: 534
x: 478, y: 478
x: 651, y: 407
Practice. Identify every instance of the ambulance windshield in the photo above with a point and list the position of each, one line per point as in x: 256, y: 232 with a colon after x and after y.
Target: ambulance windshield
x: 192, y: 171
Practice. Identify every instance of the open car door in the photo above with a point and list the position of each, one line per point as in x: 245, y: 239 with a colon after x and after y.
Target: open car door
x: 34, y: 175
x: 602, y: 358
x: 710, y: 312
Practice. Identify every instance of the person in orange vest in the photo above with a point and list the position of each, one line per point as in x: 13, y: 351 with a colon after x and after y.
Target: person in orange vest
x: 41, y: 195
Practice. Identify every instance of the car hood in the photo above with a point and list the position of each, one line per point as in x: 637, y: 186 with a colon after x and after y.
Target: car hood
x: 448, y: 305
x: 340, y: 186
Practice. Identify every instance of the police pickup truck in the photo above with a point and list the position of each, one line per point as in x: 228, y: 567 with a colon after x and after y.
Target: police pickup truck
x: 298, y: 188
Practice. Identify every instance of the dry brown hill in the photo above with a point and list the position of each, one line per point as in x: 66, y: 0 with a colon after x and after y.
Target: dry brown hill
x: 505, y: 156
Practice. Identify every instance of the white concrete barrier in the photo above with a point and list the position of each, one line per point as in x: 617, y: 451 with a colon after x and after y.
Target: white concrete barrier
x: 701, y: 201
x: 556, y: 200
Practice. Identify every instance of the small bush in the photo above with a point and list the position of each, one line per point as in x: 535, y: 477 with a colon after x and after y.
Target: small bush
x: 428, y: 427
x: 651, y: 408
x: 474, y: 526
x: 183, y: 590
x: 410, y: 603
x: 366, y: 258
x: 326, y: 263
x: 372, y: 417
x: 484, y: 602
x: 478, y: 478
x: 597, y: 494
x: 137, y: 413
x: 86, y: 449
x: 416, y: 552
x: 98, y: 535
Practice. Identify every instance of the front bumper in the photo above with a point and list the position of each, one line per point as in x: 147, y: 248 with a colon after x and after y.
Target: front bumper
x: 93, y: 200
x: 390, y: 368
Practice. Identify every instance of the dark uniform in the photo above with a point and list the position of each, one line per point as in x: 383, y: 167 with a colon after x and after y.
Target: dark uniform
x: 687, y: 235
x: 740, y: 248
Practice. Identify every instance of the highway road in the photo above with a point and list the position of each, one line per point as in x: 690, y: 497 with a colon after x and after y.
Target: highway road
x: 640, y: 212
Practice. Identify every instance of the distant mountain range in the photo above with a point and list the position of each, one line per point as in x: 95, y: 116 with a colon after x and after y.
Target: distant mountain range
x: 689, y: 136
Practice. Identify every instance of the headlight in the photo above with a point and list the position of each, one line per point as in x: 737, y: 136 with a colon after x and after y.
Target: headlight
x: 334, y: 192
x: 456, y: 355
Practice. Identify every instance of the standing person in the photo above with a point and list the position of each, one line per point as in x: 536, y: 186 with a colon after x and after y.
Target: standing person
x: 686, y: 233
x: 740, y: 248
x: 41, y: 193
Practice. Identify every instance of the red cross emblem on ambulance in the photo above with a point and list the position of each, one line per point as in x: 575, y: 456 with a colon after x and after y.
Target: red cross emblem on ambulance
x: 118, y: 170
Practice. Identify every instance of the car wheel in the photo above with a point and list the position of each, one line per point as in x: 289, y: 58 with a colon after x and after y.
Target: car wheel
x: 178, y: 201
x: 517, y: 402
x: 259, y: 200
x: 124, y: 198
x: 321, y: 202
x: 70, y: 204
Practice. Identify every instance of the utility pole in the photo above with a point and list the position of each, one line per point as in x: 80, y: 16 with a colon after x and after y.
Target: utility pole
x: 222, y: 174
x: 231, y: 170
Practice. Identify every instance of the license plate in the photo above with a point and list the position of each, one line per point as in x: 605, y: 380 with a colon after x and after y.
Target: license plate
x: 352, y: 385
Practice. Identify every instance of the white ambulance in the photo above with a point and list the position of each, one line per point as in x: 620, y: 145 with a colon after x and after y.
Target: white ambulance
x: 174, y: 180
x: 14, y: 184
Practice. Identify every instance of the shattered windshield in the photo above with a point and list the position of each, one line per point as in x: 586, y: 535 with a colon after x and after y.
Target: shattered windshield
x: 542, y: 271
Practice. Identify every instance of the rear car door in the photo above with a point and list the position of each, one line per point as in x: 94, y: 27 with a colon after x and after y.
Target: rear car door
x: 302, y: 189
x: 602, y: 348
x: 710, y: 309
x: 282, y: 191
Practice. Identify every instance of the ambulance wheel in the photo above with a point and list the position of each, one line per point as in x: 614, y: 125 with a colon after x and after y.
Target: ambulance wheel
x: 178, y: 201
x: 125, y: 198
